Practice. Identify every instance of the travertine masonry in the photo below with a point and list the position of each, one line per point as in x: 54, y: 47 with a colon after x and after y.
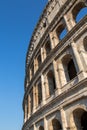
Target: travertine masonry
x: 56, y: 69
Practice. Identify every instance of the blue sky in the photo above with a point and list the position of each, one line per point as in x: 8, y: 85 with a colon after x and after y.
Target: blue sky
x: 17, y: 21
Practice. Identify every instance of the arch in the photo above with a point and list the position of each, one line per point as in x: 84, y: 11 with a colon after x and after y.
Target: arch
x: 78, y: 119
x: 69, y: 67
x: 84, y: 121
x: 55, y: 125
x: 51, y: 82
x: 61, y: 31
x: 39, y: 93
x: 47, y: 47
x: 39, y: 60
x: 63, y: 34
x: 41, y: 128
x: 85, y: 43
x: 78, y: 11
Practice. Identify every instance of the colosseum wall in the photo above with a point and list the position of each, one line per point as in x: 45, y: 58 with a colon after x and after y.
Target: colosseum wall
x: 55, y: 95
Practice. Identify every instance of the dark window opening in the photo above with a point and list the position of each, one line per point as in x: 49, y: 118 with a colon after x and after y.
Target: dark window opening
x: 39, y: 93
x: 56, y: 124
x: 39, y: 60
x: 48, y: 47
x: 85, y: 43
x: 44, y: 24
x: 54, y: 85
x: 51, y: 82
x: 84, y: 121
x: 31, y: 95
x: 71, y: 69
x: 41, y: 128
x: 32, y: 71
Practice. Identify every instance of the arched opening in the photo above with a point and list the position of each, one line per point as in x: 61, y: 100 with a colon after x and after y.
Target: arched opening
x: 61, y: 31
x: 85, y: 43
x: 39, y: 60
x: 39, y: 93
x: 47, y: 48
x: 41, y: 128
x: 31, y: 71
x: 51, y: 82
x: 79, y: 120
x: 31, y: 101
x: 69, y: 67
x: 79, y: 11
x: 55, y: 125
x: 63, y: 34
x: 82, y: 13
x: 84, y: 121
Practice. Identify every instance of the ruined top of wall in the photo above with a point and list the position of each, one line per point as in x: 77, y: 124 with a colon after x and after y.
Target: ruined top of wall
x: 52, y: 7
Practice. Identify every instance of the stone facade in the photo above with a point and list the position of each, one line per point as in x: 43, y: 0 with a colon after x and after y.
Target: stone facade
x: 56, y: 70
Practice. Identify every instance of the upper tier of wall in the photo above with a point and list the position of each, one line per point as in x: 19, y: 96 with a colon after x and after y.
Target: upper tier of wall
x: 44, y: 22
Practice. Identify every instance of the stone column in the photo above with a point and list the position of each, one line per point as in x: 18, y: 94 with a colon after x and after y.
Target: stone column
x: 56, y: 77
x: 45, y: 124
x: 77, y: 57
x: 36, y: 92
x: 83, y: 58
x: 42, y: 54
x: 31, y: 100
x: 30, y: 74
x: 25, y: 111
x: 65, y: 124
x: 43, y: 90
x: 83, y: 54
x: 30, y: 103
x: 53, y: 39
x: 70, y: 22
x: 34, y: 99
x: 35, y: 65
x: 61, y: 73
x: 34, y: 127
x: 46, y: 87
x: 28, y: 106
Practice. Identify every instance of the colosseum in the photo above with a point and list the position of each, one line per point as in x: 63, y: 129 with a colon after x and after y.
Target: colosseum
x: 55, y: 95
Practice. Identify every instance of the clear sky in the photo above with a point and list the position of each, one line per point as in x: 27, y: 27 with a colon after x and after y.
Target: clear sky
x: 17, y: 21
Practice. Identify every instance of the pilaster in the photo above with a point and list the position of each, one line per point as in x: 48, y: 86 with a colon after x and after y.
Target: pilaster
x: 42, y: 54
x: 77, y: 57
x: 28, y: 106
x: 61, y: 73
x: 70, y: 22
x: 65, y: 123
x: 45, y: 124
x: 56, y: 77
x: 34, y: 99
x: 43, y: 89
x: 25, y: 111
x: 53, y: 39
